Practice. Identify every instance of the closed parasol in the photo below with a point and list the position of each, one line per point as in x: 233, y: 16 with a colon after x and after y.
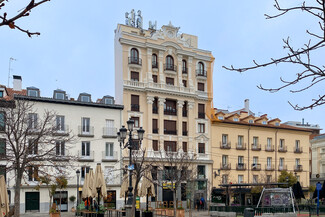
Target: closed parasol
x: 4, y: 202
x: 99, y: 181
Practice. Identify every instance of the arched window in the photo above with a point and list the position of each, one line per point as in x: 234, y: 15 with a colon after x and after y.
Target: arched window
x: 154, y: 61
x: 201, y: 69
x: 184, y: 67
x: 134, y: 56
x: 169, y: 63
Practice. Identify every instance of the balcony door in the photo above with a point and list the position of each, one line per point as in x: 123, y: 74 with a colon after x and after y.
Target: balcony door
x: 109, y: 149
x: 85, y: 122
x: 110, y: 128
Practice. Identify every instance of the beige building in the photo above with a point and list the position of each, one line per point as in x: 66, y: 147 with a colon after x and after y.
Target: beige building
x: 318, y: 160
x: 251, y: 149
x: 164, y: 81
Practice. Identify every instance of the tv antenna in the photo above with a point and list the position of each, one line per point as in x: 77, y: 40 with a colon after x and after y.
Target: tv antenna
x: 10, y: 60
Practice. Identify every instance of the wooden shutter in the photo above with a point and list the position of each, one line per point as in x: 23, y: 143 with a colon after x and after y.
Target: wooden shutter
x: 201, y: 108
x: 185, y: 146
x: 155, y: 145
x: 200, y: 86
x: 170, y: 81
x: 135, y: 99
x: 184, y: 126
x: 135, y: 76
x: 155, y: 78
x: 154, y: 124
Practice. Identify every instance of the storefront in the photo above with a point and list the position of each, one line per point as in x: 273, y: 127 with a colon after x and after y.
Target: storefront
x: 63, y: 198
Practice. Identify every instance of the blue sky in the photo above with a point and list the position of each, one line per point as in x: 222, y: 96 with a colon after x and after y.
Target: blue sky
x: 75, y: 50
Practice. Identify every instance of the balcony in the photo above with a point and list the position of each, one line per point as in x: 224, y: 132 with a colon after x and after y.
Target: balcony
x: 201, y: 176
x: 61, y: 130
x: 134, y: 61
x: 155, y: 65
x: 170, y: 69
x: 269, y: 167
x: 109, y: 132
x: 282, y: 149
x: 184, y: 70
x: 170, y: 111
x: 298, y: 168
x: 225, y: 145
x: 170, y: 132
x: 256, y: 147
x: 155, y: 131
x: 240, y: 146
x: 201, y: 115
x: 109, y: 157
x: 85, y: 131
x: 203, y: 156
x: 225, y: 166
x: 282, y: 167
x: 135, y: 107
x: 86, y: 157
x: 155, y: 110
x: 201, y: 73
x: 240, y: 166
x: 184, y: 133
x: 256, y: 167
x: 269, y: 148
x: 297, y: 150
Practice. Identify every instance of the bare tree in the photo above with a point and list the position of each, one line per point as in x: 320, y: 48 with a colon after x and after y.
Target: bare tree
x: 312, y: 73
x: 32, y: 144
x: 177, y: 167
x: 24, y: 12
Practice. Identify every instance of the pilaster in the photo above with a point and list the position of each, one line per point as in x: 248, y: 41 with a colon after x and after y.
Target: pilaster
x: 161, y: 103
x: 150, y: 100
x: 180, y: 104
x: 161, y: 67
x: 149, y: 61
x: 190, y: 81
x: 191, y: 123
x: 180, y: 58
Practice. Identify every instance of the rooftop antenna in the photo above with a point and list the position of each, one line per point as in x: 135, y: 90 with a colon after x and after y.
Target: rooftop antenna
x: 10, y: 60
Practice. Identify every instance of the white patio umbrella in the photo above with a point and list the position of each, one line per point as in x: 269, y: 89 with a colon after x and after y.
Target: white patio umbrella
x: 99, y: 181
x: 85, y: 188
x: 4, y: 201
x: 125, y: 185
x: 91, y: 182
x: 146, y: 184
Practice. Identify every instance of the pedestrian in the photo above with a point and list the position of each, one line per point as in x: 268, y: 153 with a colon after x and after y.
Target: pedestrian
x: 198, y: 204
x: 202, y: 203
x: 96, y: 205
x: 86, y: 203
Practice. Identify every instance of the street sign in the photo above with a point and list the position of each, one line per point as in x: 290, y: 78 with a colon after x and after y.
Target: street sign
x: 131, y: 167
x: 318, y: 186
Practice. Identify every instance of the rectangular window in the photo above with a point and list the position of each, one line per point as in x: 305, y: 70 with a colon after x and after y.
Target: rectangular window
x: 240, y: 179
x: 184, y: 126
x: 136, y: 121
x: 32, y: 120
x: 155, y: 145
x: 59, y: 95
x: 60, y: 148
x: 109, y: 149
x: 255, y: 160
x: 281, y: 143
x: 85, y: 123
x: 200, y: 86
x: 185, y: 146
x: 32, y: 147
x: 240, y: 159
x: 60, y: 123
x: 224, y: 139
x: 240, y: 141
x: 184, y: 83
x: 255, y: 141
x: 32, y: 173
x: 255, y: 179
x: 269, y: 162
x: 169, y: 81
x: 85, y: 148
x: 297, y: 144
x: 110, y: 130
x: 155, y: 78
x: 224, y: 160
x: 1, y: 94
x: 201, y: 171
x: 135, y: 106
x: 170, y: 146
x: 297, y: 162
x: 201, y: 148
x: 201, y: 111
x: 3, y: 148
x: 85, y: 98
x: 269, y: 142
x: 201, y: 128
x: 224, y: 179
x: 269, y: 178
x: 84, y: 170
x: 154, y: 125
x: 134, y: 76
x: 108, y: 174
x: 170, y: 127
x: 170, y: 107
x: 2, y: 121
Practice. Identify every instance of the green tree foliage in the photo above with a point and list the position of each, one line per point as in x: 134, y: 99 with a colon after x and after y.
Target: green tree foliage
x: 291, y: 178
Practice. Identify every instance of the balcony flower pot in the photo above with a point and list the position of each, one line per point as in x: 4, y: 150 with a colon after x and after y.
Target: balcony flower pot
x: 170, y: 212
x: 180, y: 212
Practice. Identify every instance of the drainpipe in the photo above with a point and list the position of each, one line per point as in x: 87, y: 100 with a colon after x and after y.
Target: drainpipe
x: 276, y: 152
x: 248, y: 166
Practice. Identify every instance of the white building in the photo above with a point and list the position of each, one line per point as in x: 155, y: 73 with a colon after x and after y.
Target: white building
x: 94, y: 126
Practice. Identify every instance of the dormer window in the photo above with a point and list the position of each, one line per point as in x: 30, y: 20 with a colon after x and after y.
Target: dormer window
x: 236, y: 119
x: 263, y: 122
x: 59, y: 94
x: 277, y: 124
x: 1, y: 93
x: 32, y: 91
x: 220, y: 117
x: 251, y: 121
x: 84, y: 97
x: 108, y: 101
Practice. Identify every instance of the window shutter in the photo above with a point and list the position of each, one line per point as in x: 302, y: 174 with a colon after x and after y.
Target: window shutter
x: 155, y: 145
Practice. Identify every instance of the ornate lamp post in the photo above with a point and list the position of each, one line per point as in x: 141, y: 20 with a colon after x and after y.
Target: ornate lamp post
x: 78, y: 173
x: 130, y: 145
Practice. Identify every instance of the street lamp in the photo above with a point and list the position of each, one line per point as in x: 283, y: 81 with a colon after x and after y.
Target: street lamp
x: 98, y: 192
x: 78, y: 173
x: 121, y: 135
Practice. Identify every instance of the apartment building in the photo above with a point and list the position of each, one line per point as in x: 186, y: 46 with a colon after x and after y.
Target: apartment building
x: 93, y: 125
x: 164, y: 82
x: 255, y: 149
x: 318, y: 160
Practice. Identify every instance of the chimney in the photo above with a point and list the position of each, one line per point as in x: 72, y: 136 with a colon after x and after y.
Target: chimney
x: 247, y: 105
x: 17, y: 82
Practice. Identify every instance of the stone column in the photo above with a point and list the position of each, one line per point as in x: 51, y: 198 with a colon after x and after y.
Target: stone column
x: 149, y: 60
x: 190, y: 81
x: 191, y: 123
x: 161, y: 67
x: 180, y: 82
x: 161, y: 102
x: 150, y: 100
x: 180, y: 104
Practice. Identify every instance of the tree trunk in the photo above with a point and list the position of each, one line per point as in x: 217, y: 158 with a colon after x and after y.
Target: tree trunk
x: 17, y: 195
x: 174, y: 199
x: 135, y: 191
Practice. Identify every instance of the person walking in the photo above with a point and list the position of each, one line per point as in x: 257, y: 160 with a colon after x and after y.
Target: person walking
x: 202, y: 203
x: 198, y: 204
